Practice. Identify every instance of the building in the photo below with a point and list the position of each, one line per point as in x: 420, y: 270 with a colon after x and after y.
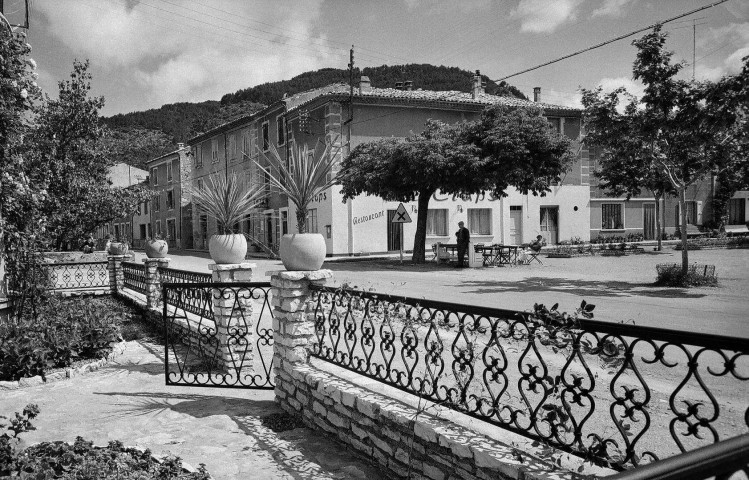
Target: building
x: 171, y: 209
x: 122, y: 175
x: 363, y: 225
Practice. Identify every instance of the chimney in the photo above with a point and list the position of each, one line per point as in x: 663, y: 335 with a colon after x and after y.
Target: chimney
x: 478, y: 85
x: 399, y: 85
x: 409, y: 85
x: 364, y: 85
x: 536, y: 94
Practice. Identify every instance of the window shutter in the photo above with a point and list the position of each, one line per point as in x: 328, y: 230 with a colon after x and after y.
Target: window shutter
x: 698, y: 208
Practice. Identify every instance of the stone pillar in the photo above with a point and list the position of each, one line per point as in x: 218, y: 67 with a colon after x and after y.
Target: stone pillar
x: 293, y: 316
x: 233, y: 316
x: 153, y: 283
x: 116, y: 277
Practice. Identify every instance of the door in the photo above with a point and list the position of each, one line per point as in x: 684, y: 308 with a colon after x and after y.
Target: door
x: 395, y: 233
x: 550, y: 225
x: 171, y: 232
x: 203, y: 231
x: 269, y: 232
x: 648, y: 221
x: 516, y: 225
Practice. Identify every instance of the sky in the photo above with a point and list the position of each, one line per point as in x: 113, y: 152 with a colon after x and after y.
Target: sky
x: 147, y: 53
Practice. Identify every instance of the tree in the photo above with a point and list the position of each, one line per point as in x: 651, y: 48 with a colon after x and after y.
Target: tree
x: 73, y: 164
x: 505, y: 147
x: 626, y: 164
x: 680, y: 132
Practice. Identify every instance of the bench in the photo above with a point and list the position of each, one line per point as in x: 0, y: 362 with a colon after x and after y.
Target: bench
x: 736, y: 230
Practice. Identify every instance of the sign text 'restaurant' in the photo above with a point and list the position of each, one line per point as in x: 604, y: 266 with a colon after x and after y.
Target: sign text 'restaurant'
x: 366, y: 218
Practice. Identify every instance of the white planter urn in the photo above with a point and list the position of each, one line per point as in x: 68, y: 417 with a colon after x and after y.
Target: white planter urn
x: 227, y: 248
x: 302, y: 251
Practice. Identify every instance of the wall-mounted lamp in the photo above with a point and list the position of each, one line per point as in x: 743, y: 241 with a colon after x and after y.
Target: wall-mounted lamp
x: 328, y: 231
x: 460, y: 208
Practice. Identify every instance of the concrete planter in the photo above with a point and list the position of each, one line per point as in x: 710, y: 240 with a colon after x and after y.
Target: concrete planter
x: 156, y: 248
x: 227, y: 248
x: 117, y: 248
x: 302, y: 251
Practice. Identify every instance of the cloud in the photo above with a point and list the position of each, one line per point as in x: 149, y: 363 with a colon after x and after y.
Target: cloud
x: 610, y: 8
x: 442, y: 6
x: 542, y: 16
x: 191, y: 51
x: 732, y: 38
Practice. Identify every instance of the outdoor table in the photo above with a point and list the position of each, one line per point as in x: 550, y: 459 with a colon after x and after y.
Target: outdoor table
x: 450, y: 249
x: 497, y: 255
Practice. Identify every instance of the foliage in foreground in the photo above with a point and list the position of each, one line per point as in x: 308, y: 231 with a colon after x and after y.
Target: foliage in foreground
x: 65, y: 330
x: 81, y: 460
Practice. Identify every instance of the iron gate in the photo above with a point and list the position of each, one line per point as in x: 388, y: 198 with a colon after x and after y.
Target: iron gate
x: 218, y: 335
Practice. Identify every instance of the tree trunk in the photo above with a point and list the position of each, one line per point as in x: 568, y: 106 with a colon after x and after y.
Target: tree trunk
x: 658, y: 227
x: 420, y: 237
x: 683, y: 219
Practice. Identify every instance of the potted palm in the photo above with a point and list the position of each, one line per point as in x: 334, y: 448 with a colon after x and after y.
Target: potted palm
x: 308, y: 173
x: 227, y: 199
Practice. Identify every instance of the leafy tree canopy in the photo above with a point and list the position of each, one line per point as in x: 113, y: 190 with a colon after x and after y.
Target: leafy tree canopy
x: 505, y: 147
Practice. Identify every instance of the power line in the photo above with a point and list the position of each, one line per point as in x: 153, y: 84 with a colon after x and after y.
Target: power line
x: 620, y: 37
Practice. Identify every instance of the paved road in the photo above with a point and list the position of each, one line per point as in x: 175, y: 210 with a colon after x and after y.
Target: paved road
x: 621, y: 287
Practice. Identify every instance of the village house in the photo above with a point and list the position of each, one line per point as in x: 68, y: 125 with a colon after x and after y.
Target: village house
x: 126, y: 229
x: 363, y: 225
x: 171, y: 209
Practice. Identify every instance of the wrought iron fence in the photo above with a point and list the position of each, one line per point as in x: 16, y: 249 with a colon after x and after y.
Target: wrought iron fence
x: 199, y: 351
x: 619, y: 395
x: 135, y: 276
x: 78, y: 275
x: 174, y: 275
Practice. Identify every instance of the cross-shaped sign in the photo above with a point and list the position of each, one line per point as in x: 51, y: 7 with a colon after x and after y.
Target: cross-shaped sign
x: 401, y: 215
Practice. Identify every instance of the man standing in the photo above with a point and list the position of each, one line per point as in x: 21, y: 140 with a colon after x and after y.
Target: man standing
x: 463, y: 236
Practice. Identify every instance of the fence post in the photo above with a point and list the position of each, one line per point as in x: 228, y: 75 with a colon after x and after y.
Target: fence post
x: 153, y: 282
x: 293, y: 321
x: 233, y: 315
x: 116, y: 276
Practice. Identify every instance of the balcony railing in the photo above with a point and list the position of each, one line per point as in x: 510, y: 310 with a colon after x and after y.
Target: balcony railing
x: 620, y: 395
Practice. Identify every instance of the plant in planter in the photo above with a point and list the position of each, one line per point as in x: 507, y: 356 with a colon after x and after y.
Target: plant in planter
x: 156, y: 247
x: 308, y: 173
x: 118, y: 247
x: 227, y: 199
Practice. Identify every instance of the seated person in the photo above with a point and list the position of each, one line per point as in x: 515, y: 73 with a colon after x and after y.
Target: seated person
x: 536, y: 245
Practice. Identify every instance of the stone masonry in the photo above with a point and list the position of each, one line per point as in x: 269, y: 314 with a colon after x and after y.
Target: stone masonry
x: 232, y: 312
x: 153, y: 283
x: 116, y: 275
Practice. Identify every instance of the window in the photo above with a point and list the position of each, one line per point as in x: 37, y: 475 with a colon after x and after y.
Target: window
x: 556, y: 124
x: 200, y: 184
x: 612, y: 216
x: 154, y: 176
x: 736, y: 211
x: 138, y: 211
x: 437, y: 222
x: 171, y: 229
x: 199, y: 156
x: 312, y: 220
x: 158, y: 227
x: 281, y: 129
x: 232, y: 147
x: 214, y: 150
x: 266, y: 140
x: 156, y: 202
x: 169, y: 176
x: 246, y: 151
x: 170, y: 199
x: 148, y: 230
x: 480, y: 221
x: 145, y: 208
x: 691, y: 213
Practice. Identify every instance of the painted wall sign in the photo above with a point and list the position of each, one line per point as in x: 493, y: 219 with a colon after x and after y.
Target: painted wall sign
x: 441, y: 197
x: 366, y: 218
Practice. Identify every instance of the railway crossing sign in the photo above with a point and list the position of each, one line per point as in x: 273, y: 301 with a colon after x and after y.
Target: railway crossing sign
x: 401, y: 215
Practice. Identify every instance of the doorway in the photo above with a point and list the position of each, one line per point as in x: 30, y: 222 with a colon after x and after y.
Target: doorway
x: 648, y: 221
x: 394, y: 232
x: 516, y: 225
x: 550, y: 225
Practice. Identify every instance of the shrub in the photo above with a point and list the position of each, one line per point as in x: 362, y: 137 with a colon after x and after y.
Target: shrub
x: 63, y: 331
x: 670, y: 275
x: 82, y: 459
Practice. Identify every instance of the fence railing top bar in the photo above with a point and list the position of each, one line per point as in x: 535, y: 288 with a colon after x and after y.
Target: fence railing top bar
x: 704, y: 462
x: 81, y: 262
x: 622, y: 329
x: 184, y: 286
x: 192, y: 272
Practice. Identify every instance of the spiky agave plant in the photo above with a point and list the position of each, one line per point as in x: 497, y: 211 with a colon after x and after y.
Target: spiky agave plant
x: 308, y: 174
x: 228, y: 200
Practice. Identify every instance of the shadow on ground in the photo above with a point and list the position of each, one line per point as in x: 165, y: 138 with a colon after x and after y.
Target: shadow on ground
x: 583, y: 288
x: 303, y: 453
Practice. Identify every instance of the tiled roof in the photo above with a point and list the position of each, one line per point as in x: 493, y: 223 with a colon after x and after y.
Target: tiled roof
x: 450, y: 96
